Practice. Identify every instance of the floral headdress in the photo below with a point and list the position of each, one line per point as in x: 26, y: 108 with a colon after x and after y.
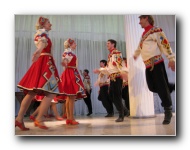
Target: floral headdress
x: 70, y: 41
x: 42, y: 20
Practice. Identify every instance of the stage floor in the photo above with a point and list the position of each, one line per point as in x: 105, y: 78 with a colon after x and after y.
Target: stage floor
x: 98, y: 125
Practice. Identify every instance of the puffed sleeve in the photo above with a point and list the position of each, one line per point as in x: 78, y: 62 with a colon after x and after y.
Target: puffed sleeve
x: 117, y: 60
x: 100, y: 75
x: 104, y: 70
x: 40, y: 36
x: 67, y: 56
x: 137, y: 51
x: 164, y: 45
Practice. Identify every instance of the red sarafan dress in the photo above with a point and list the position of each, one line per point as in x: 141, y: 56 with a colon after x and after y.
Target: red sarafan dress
x: 42, y: 76
x: 72, y: 84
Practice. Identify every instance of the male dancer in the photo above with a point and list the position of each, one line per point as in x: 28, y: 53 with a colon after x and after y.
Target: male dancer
x: 88, y: 90
x: 117, y: 71
x: 103, y: 82
x: 152, y: 44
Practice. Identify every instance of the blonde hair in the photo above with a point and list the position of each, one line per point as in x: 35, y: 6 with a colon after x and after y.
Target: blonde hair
x: 68, y: 43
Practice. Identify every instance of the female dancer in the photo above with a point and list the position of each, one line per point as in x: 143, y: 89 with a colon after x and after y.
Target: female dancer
x: 42, y: 77
x: 72, y: 85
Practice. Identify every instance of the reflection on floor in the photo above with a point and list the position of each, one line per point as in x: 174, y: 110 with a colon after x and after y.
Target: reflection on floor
x: 98, y: 125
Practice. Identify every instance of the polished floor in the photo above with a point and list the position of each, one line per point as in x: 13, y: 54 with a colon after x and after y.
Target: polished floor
x: 98, y: 125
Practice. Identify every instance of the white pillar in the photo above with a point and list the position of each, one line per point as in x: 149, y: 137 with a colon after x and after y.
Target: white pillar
x: 141, y: 99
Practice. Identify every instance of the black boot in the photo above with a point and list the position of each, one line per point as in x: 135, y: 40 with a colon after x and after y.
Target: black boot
x: 126, y: 112
x: 168, y: 115
x: 109, y: 115
x: 120, y: 118
x: 89, y: 113
x: 172, y: 87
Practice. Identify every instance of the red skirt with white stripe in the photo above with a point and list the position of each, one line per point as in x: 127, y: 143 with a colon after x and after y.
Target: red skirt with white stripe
x: 42, y: 77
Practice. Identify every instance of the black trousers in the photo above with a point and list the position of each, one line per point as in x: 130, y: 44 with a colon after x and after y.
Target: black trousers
x: 115, y: 95
x: 125, y: 96
x: 104, y: 98
x: 88, y: 102
x: 157, y: 81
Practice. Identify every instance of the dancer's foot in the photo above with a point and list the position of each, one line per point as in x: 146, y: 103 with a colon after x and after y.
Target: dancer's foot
x: 21, y: 125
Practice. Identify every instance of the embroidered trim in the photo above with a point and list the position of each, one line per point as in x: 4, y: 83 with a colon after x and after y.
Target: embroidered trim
x: 80, y: 88
x: 125, y: 84
x: 103, y: 84
x: 151, y: 31
x: 117, y: 57
x: 41, y: 38
x: 113, y: 76
x: 165, y: 43
x: 153, y: 61
x: 36, y: 90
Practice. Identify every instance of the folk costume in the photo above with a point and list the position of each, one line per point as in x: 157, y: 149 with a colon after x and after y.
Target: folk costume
x: 116, y: 65
x: 152, y: 44
x: 72, y: 84
x: 42, y: 77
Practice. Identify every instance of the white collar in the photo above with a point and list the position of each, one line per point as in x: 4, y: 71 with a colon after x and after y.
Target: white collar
x: 68, y: 50
x: 42, y: 31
